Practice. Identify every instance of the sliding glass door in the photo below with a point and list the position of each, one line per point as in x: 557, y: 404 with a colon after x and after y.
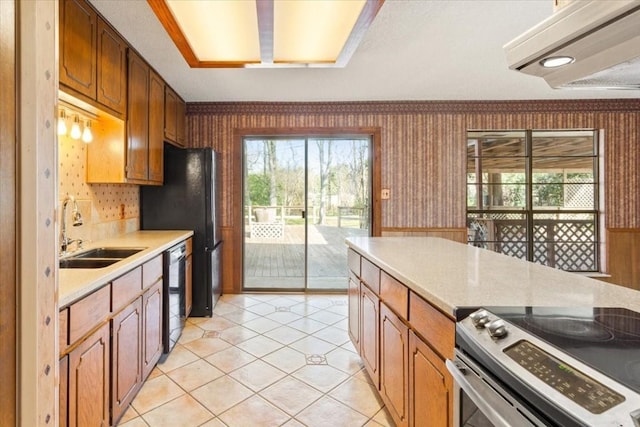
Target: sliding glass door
x: 303, y: 197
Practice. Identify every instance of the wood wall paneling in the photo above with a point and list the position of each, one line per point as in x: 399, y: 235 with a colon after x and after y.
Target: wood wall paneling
x: 423, y: 151
x: 8, y: 213
x: 623, y: 257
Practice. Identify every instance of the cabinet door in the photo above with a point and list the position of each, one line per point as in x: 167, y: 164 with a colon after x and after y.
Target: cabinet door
x: 369, y: 338
x: 112, y: 69
x: 126, y: 375
x: 394, y: 365
x: 78, y: 30
x: 170, y: 114
x: 63, y: 387
x: 188, y: 285
x: 430, y: 387
x: 151, y: 328
x: 354, y: 310
x: 181, y: 130
x: 156, y: 128
x: 89, y: 381
x: 138, y: 119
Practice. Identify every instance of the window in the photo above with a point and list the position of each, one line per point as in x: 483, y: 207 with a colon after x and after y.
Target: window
x: 534, y: 195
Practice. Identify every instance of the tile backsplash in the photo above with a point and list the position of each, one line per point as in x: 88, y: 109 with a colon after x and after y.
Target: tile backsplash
x: 108, y: 210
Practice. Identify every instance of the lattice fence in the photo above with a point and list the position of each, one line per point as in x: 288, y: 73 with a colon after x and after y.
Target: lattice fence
x: 579, y: 195
x: 565, y: 244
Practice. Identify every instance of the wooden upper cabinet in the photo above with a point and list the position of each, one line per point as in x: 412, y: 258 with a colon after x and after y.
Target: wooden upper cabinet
x: 112, y: 68
x: 93, y: 62
x: 137, y: 119
x: 181, y: 125
x: 78, y: 38
x: 170, y: 115
x: 156, y: 128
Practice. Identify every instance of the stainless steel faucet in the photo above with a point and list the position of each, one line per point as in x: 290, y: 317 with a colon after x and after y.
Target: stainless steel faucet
x: 77, y: 221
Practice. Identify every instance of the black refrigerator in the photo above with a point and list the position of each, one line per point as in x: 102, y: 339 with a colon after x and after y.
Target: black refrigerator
x: 189, y: 200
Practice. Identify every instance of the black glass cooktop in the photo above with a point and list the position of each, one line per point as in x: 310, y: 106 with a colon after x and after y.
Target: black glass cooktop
x: 607, y: 339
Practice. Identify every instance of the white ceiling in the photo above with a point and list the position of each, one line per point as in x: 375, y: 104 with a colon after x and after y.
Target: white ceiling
x: 414, y: 50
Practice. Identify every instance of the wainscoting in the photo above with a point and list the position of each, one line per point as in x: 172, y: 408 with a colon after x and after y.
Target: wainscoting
x: 623, y: 257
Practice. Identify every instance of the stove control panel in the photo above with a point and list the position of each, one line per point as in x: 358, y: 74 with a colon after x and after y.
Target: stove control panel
x: 586, y: 392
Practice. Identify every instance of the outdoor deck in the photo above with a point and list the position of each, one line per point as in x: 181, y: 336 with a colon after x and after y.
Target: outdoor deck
x: 280, y: 264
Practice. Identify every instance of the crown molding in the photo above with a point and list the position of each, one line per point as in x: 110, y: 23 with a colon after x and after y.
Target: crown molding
x: 416, y: 107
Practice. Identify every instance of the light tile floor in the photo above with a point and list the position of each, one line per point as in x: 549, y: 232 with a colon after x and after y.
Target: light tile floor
x: 262, y: 360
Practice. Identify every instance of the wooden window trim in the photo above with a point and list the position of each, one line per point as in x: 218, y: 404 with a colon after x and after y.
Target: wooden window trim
x: 234, y: 263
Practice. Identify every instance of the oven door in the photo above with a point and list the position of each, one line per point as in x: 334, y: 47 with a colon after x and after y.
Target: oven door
x: 480, y: 401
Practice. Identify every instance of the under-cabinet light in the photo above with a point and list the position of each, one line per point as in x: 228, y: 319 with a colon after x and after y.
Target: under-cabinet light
x: 87, y: 136
x: 62, y: 123
x: 76, y: 133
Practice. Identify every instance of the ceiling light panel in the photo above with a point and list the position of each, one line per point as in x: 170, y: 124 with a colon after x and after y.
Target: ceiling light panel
x: 220, y: 31
x: 312, y: 31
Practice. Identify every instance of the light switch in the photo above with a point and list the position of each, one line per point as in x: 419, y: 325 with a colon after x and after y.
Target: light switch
x: 385, y: 194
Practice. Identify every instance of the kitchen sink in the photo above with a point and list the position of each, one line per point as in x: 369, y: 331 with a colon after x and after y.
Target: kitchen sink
x: 87, y: 262
x: 119, y: 253
x: 98, y: 257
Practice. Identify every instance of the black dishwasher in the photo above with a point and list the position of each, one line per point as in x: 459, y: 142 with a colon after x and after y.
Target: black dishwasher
x: 173, y: 304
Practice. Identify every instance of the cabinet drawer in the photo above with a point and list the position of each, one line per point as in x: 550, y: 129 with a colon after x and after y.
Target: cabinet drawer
x: 88, y: 313
x: 151, y: 272
x: 370, y: 274
x: 126, y: 288
x: 63, y: 325
x: 436, y: 328
x: 394, y: 294
x: 353, y: 261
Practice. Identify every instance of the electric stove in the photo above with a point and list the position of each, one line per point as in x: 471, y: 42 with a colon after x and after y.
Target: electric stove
x: 562, y: 365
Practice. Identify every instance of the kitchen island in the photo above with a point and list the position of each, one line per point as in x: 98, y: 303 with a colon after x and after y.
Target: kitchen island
x: 405, y: 294
x: 452, y: 275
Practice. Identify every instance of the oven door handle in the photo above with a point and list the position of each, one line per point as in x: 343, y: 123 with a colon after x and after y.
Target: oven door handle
x: 488, y: 401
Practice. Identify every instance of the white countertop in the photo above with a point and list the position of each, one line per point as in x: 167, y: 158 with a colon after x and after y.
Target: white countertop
x: 453, y: 275
x: 75, y: 283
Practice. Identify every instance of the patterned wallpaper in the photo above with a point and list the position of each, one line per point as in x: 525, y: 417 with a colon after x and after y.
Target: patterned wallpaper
x: 423, y: 147
x: 107, y: 210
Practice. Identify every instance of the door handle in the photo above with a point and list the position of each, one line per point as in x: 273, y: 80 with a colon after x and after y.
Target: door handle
x: 303, y: 214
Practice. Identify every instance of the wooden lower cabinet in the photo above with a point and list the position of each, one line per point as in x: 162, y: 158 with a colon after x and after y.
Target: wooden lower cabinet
x: 126, y: 375
x: 111, y: 353
x: 394, y: 365
x: 354, y: 311
x: 430, y: 387
x: 151, y: 328
x: 403, y: 341
x: 89, y: 372
x: 369, y: 338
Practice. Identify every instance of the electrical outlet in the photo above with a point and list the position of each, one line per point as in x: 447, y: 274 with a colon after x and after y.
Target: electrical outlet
x: 385, y: 194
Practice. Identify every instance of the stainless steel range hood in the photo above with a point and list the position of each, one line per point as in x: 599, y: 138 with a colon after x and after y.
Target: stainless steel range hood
x: 601, y: 36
